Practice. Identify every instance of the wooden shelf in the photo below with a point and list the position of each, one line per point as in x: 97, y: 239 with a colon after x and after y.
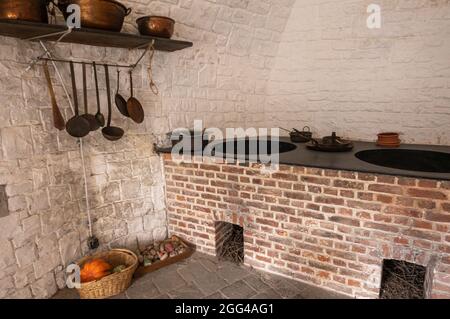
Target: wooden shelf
x: 29, y: 30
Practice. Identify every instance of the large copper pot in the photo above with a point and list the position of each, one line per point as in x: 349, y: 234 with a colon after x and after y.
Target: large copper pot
x: 156, y: 26
x: 25, y: 10
x: 98, y: 14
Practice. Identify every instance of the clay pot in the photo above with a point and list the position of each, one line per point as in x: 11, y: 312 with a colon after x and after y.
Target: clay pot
x: 389, y: 139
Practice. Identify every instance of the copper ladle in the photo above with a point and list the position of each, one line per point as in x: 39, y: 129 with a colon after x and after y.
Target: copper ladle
x: 111, y: 133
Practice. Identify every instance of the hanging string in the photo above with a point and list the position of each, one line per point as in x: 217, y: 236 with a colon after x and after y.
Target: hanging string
x: 86, y: 193
x: 152, y: 83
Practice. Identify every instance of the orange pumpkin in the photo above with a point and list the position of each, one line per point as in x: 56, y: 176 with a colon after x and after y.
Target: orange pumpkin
x: 95, y: 269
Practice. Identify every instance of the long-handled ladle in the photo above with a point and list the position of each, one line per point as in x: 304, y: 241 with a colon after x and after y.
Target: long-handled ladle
x: 111, y: 133
x: 77, y: 126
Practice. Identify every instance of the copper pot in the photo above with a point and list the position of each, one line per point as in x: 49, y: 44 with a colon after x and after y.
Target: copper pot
x: 26, y: 10
x: 156, y: 26
x: 98, y: 14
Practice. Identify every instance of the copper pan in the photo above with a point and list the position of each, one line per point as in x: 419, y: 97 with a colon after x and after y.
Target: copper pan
x: 25, y: 10
x: 98, y: 14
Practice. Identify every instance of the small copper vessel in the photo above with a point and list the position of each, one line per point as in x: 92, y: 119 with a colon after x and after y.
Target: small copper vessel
x: 156, y: 26
x: 24, y: 10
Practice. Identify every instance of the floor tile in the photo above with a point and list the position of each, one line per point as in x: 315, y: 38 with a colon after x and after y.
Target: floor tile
x: 167, y: 280
x: 238, y: 290
x: 120, y: 296
x: 192, y: 271
x: 232, y: 272
x: 210, y: 283
x: 66, y: 293
x: 285, y: 287
x: 210, y: 264
x: 147, y: 291
x: 312, y: 292
x: 190, y: 291
x: 254, y: 281
x: 267, y: 294
x: 217, y: 295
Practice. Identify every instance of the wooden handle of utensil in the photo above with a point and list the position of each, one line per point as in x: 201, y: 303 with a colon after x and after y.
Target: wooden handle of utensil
x: 58, y: 120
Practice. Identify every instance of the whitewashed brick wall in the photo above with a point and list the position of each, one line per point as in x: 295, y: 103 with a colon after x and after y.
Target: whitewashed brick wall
x: 221, y: 80
x: 333, y: 73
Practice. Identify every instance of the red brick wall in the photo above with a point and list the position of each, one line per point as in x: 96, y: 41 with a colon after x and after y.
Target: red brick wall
x: 325, y: 227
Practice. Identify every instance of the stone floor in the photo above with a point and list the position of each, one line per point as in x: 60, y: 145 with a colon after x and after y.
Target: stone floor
x: 203, y: 276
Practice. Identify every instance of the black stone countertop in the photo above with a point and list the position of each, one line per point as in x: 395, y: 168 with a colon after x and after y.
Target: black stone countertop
x: 301, y: 156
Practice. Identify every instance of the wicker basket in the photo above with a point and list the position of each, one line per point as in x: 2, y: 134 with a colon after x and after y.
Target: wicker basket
x: 113, y: 284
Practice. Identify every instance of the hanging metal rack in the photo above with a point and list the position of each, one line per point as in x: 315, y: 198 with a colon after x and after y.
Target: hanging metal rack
x: 69, y: 30
x: 130, y: 66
